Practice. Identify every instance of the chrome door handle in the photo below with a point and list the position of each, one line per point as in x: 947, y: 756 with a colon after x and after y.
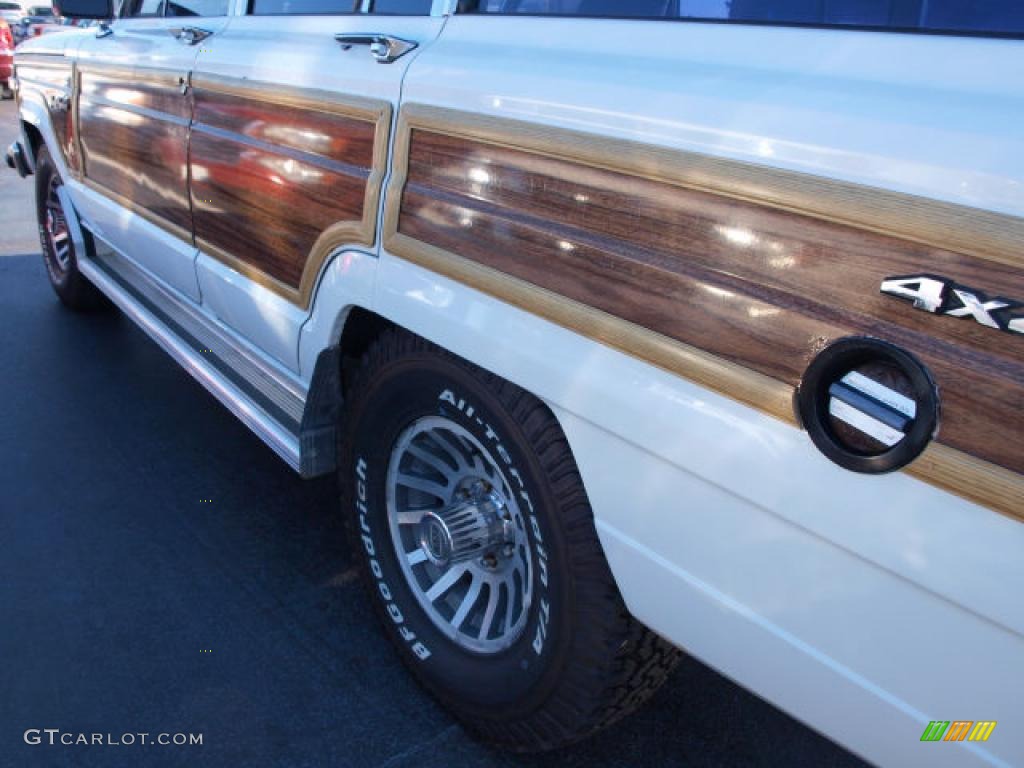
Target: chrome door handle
x: 190, y: 35
x: 384, y: 48
x: 104, y: 30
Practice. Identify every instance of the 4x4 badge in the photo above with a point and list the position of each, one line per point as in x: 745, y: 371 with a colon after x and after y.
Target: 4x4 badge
x: 941, y: 296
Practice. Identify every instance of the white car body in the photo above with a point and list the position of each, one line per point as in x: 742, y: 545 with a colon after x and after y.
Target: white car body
x: 866, y: 606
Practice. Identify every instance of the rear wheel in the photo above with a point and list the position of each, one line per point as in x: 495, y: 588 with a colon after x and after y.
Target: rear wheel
x: 478, y: 546
x: 59, y: 256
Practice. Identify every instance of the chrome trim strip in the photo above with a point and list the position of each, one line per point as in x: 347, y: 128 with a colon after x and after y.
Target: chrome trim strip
x: 263, y: 374
x: 282, y: 442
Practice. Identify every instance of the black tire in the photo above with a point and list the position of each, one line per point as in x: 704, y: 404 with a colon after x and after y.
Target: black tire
x: 70, y: 285
x: 582, y: 661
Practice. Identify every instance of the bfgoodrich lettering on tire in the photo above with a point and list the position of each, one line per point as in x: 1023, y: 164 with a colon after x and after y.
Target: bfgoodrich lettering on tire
x: 477, y: 543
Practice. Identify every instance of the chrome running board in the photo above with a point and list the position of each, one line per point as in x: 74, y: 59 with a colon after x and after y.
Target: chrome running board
x: 266, y: 402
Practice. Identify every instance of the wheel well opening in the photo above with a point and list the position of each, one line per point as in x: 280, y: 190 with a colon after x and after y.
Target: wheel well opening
x: 35, y: 139
x: 361, y: 328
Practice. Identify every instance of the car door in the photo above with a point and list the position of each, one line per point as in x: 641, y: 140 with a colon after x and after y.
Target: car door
x: 134, y: 109
x: 293, y: 110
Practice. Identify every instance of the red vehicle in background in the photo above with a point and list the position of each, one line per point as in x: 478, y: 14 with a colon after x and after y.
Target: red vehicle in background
x: 6, y: 60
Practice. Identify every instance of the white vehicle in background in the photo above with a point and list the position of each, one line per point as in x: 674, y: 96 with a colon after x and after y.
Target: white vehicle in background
x: 627, y: 327
x: 10, y: 11
x: 35, y: 21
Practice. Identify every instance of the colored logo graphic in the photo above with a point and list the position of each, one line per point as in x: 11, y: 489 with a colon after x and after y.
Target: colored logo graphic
x: 958, y: 730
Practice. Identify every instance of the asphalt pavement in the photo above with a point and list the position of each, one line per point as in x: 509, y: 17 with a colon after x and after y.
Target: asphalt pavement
x: 162, y: 572
x: 17, y: 210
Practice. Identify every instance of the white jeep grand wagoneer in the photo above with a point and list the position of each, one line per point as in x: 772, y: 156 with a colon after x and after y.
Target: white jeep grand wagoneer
x: 626, y: 326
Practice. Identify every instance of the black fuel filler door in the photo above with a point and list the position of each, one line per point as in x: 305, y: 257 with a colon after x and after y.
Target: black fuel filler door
x: 868, y: 405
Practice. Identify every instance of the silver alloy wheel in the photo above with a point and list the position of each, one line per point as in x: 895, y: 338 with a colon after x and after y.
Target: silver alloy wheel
x: 56, y: 226
x: 459, y: 536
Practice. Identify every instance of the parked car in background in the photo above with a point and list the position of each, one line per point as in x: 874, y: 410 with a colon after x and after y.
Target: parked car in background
x: 38, y: 20
x: 41, y: 11
x: 6, y: 59
x: 11, y: 12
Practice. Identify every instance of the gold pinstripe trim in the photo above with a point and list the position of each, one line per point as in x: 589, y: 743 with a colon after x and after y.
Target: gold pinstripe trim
x: 890, y: 213
x: 965, y: 475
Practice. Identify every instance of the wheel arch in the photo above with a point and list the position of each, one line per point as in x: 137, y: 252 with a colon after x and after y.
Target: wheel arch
x: 355, y: 329
x: 359, y: 328
x: 37, y: 131
x: 34, y: 138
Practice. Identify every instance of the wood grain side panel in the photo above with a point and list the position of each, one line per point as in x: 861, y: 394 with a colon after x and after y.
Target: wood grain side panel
x: 344, y: 139
x: 759, y: 287
x: 281, y: 177
x: 134, y: 133
x: 267, y: 180
x: 265, y: 208
x: 986, y: 234
x: 779, y: 254
x: 137, y: 88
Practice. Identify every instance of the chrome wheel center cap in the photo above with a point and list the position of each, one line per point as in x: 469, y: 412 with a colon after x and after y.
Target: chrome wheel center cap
x: 465, y: 530
x: 435, y: 540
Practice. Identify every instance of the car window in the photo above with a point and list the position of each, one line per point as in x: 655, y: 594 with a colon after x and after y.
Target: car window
x: 140, y: 9
x: 302, y: 7
x: 401, y: 7
x: 9, y: 7
x: 598, y: 8
x: 40, y: 10
x: 197, y: 8
x: 996, y: 17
